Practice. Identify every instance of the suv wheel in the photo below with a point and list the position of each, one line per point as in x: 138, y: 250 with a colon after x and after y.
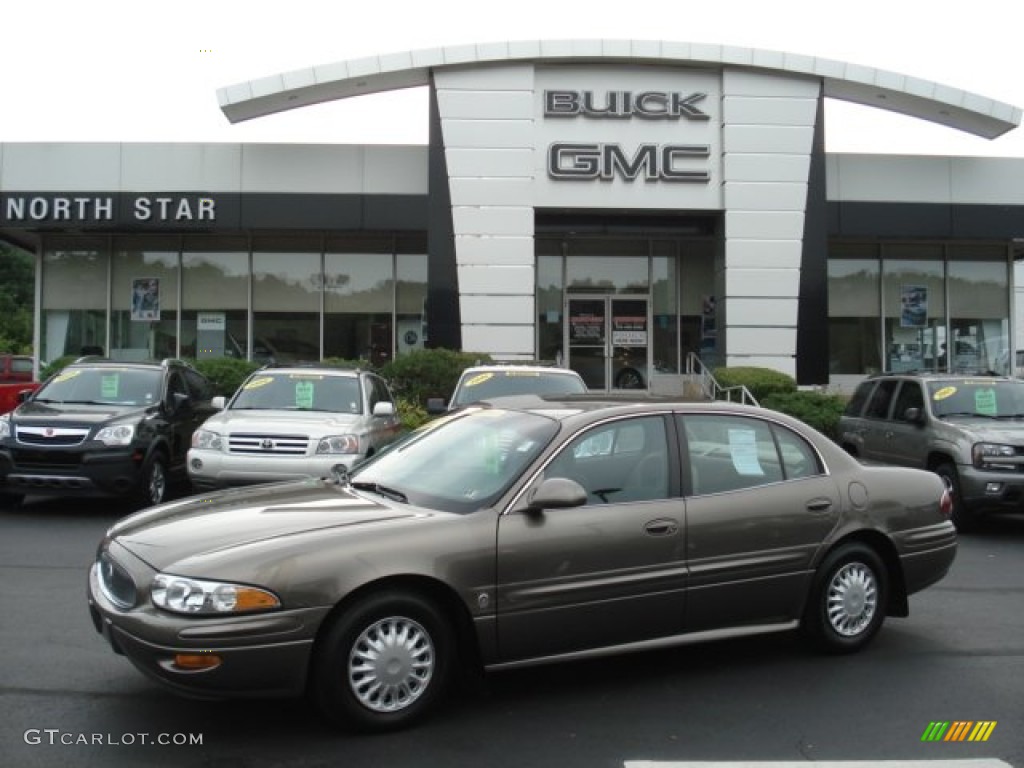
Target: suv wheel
x: 153, y: 486
x: 963, y: 518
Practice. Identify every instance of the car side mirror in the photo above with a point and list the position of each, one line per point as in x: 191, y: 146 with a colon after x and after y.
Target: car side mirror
x: 557, y: 493
x: 218, y: 402
x: 436, y: 405
x: 384, y: 408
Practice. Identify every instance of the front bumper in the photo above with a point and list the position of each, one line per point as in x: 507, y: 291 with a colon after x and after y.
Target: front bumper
x: 102, y: 474
x: 985, y: 490
x: 264, y: 654
x: 210, y: 470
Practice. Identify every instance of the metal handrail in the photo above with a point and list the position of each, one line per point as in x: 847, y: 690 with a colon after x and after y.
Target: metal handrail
x: 710, y: 387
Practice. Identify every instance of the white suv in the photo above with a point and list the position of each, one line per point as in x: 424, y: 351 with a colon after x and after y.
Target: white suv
x: 292, y: 422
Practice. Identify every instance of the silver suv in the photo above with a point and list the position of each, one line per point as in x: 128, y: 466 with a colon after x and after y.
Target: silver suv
x: 967, y: 429
x: 291, y: 422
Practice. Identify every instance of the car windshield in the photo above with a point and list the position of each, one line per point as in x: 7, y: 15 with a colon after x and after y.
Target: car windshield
x: 487, y: 384
x: 103, y: 386
x: 460, y: 463
x: 299, y: 392
x: 977, y: 397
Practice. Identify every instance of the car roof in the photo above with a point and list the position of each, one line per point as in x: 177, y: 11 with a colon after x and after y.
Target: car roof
x: 320, y: 368
x: 106, y: 362
x: 939, y: 376
x: 564, y: 406
x: 528, y: 367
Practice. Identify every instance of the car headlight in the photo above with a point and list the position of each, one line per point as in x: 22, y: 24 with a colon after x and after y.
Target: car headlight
x: 184, y: 595
x: 122, y: 434
x: 338, y: 444
x: 5, y: 426
x: 994, y: 456
x: 205, y: 440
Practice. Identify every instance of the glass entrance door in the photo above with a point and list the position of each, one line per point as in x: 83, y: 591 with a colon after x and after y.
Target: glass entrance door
x: 608, y: 341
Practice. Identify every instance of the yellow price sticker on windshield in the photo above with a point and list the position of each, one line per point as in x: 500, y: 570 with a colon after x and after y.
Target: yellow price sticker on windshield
x: 480, y: 378
x: 943, y: 393
x: 257, y: 383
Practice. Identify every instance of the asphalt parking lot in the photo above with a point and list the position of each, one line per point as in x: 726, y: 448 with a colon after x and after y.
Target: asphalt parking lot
x: 66, y: 699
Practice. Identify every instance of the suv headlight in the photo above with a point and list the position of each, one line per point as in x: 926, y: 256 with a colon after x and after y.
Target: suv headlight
x: 5, y: 426
x: 184, y: 595
x: 122, y: 434
x: 205, y: 440
x: 994, y: 456
x: 338, y: 444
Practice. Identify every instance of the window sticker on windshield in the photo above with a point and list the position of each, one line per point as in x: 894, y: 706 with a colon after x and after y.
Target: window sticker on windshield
x: 303, y: 394
x: 985, y: 402
x: 943, y: 393
x: 257, y: 383
x: 108, y: 386
x: 67, y: 375
x: 743, y: 448
x: 480, y: 378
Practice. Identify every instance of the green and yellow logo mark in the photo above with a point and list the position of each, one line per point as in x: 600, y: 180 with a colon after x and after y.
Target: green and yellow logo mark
x: 959, y: 730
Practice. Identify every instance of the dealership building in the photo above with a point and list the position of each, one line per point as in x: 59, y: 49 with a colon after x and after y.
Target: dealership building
x: 625, y: 208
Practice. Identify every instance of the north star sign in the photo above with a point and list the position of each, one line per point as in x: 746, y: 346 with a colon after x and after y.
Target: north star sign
x: 106, y: 209
x: 580, y: 161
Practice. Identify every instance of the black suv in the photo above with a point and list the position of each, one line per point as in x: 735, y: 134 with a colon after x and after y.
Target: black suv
x: 103, y: 428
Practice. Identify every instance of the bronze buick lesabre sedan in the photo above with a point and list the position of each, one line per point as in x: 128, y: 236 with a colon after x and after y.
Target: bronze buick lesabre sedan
x: 523, y: 530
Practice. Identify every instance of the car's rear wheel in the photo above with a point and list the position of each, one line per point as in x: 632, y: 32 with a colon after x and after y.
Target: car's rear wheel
x: 963, y: 518
x: 847, y: 603
x: 384, y: 663
x: 153, y: 482
x: 629, y: 378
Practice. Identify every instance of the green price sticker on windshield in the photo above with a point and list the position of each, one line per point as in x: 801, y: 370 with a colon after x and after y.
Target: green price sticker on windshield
x: 108, y: 386
x: 985, y: 402
x: 304, y: 394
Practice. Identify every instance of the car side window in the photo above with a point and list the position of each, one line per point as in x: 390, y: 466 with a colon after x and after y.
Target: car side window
x: 199, y: 387
x: 798, y: 458
x: 860, y: 396
x: 619, y: 462
x: 909, y: 396
x: 175, y: 386
x: 730, y: 453
x: 878, y: 406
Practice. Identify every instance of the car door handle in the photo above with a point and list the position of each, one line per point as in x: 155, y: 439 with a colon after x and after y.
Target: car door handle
x: 661, y: 527
x: 819, y: 505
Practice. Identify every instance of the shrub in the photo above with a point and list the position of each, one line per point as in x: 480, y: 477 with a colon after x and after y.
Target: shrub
x: 225, y: 373
x: 411, y: 414
x: 426, y: 373
x: 761, y: 382
x: 816, y: 409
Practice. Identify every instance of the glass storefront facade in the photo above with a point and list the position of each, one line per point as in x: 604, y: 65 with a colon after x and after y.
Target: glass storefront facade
x: 902, y: 306
x: 263, y: 298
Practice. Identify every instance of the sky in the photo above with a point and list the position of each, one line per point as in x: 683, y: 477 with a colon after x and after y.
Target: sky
x: 136, y: 70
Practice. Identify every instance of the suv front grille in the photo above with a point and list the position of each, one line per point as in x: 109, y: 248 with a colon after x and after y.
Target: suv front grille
x: 268, y: 445
x: 48, y: 436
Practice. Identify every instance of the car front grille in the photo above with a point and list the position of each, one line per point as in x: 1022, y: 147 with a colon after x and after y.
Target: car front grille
x: 51, y: 436
x: 268, y: 445
x: 116, y: 582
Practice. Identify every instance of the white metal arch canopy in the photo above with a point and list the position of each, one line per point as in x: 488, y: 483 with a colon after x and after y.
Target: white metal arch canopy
x: 937, y: 103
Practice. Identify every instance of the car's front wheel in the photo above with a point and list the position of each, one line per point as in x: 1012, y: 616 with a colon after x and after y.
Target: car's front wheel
x: 153, y: 482
x: 383, y: 663
x: 10, y: 500
x: 847, y: 603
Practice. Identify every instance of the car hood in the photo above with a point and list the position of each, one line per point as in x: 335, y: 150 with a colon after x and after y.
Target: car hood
x: 33, y: 412
x: 983, y: 429
x: 263, y: 420
x: 239, y: 517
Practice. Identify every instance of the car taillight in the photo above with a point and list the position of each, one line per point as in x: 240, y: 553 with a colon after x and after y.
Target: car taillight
x: 946, y: 503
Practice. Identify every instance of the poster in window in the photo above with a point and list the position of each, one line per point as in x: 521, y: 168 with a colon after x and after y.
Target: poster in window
x: 914, y: 306
x: 145, y: 299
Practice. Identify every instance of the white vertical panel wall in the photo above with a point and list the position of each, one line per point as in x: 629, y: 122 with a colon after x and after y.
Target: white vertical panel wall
x: 768, y: 135
x: 487, y: 125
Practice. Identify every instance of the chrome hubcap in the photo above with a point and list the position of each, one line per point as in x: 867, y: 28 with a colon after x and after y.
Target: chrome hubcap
x: 157, y: 484
x: 391, y: 664
x: 852, y: 599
